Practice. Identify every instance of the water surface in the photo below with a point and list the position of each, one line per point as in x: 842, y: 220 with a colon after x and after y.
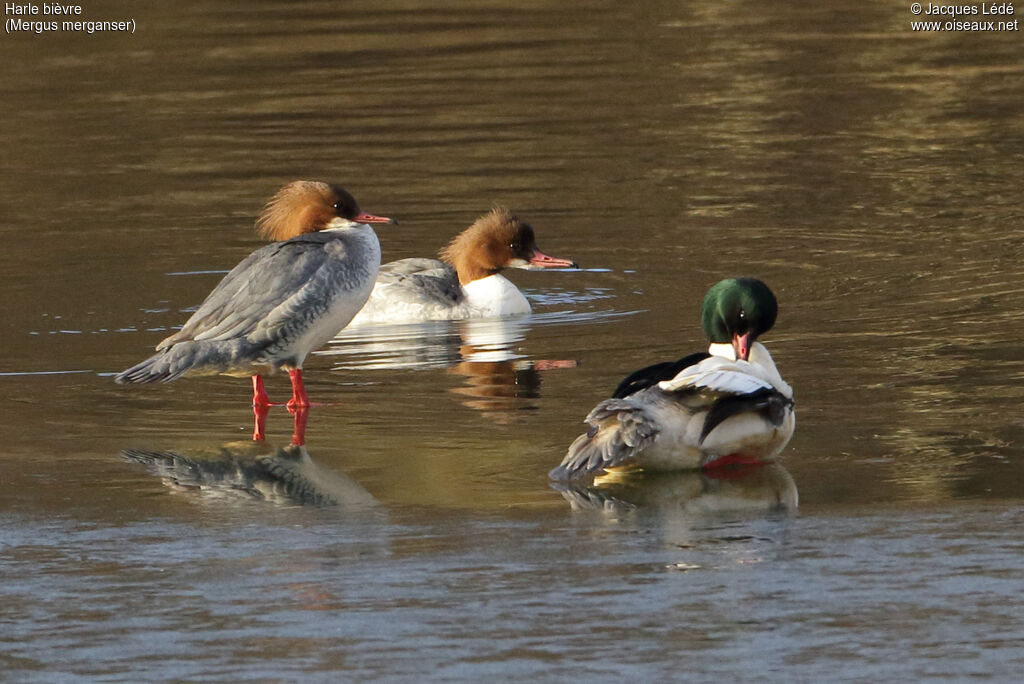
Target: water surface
x: 870, y: 175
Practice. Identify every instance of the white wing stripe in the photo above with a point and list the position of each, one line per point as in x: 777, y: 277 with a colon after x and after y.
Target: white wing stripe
x: 736, y: 382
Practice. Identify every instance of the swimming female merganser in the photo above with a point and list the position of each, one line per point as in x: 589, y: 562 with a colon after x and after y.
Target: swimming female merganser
x: 283, y: 300
x: 706, y: 410
x: 466, y: 284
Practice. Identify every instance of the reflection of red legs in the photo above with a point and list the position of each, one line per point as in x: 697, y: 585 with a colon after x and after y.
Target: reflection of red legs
x: 259, y: 394
x: 298, y: 406
x: 300, y: 417
x: 299, y: 398
x: 552, y: 364
x: 259, y: 430
x: 300, y: 414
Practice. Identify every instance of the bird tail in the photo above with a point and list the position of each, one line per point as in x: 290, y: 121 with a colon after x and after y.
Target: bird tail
x: 619, y: 429
x: 185, y: 356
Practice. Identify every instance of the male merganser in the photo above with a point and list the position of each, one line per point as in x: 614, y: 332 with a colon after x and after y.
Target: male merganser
x: 466, y: 284
x: 283, y: 300
x: 706, y: 410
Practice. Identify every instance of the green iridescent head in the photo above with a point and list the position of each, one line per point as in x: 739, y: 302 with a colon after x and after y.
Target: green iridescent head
x: 736, y: 311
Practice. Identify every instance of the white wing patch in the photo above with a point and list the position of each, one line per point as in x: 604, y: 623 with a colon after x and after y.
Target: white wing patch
x: 721, y: 374
x: 719, y: 380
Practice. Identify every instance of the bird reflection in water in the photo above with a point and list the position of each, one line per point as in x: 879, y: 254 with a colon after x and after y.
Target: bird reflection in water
x: 497, y: 387
x: 253, y: 470
x: 763, y: 487
x: 497, y: 379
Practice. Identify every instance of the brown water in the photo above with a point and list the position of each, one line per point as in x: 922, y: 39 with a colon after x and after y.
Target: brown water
x: 872, y: 176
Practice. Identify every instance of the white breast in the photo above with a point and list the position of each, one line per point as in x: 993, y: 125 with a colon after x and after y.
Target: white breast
x: 495, y: 296
x: 346, y: 302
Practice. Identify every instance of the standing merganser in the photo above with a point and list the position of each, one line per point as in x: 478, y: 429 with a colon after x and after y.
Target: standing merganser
x: 283, y: 300
x: 467, y: 283
x: 706, y: 410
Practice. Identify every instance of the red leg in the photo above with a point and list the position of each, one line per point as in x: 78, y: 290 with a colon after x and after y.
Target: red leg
x: 732, y: 460
x: 259, y: 394
x: 299, y: 398
x: 300, y: 416
x: 259, y: 430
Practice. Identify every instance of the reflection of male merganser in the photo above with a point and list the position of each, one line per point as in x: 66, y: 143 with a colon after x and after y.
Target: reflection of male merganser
x: 283, y: 300
x: 729, y: 405
x: 467, y: 283
x: 766, y: 487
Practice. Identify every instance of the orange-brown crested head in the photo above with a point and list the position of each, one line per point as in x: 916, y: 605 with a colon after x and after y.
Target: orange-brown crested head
x: 497, y: 240
x: 306, y: 207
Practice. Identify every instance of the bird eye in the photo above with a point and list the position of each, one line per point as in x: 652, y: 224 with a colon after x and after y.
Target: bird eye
x: 743, y: 314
